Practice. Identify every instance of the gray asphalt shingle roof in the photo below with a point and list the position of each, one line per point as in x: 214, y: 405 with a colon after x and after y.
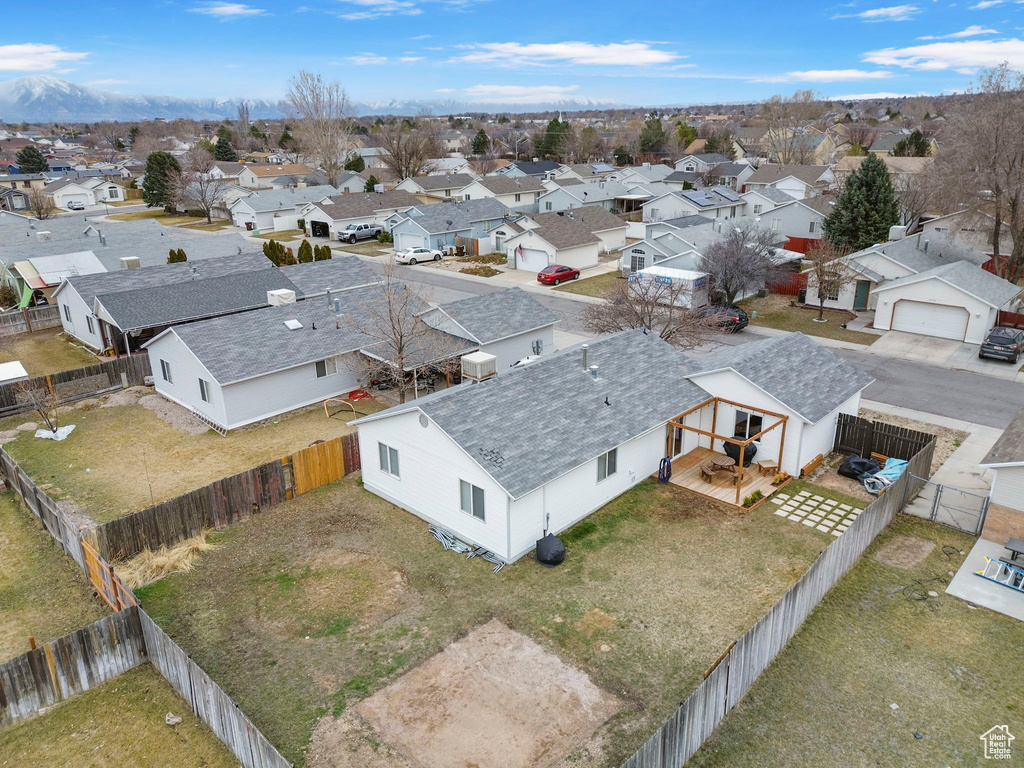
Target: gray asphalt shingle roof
x: 911, y: 251
x: 357, y: 205
x: 1009, y: 448
x: 493, y: 316
x: 537, y: 168
x: 434, y: 218
x: 990, y: 288
x: 339, y: 273
x: 504, y: 185
x: 450, y: 181
x: 800, y: 373
x: 508, y: 426
x: 777, y: 196
x: 287, y: 198
x: 770, y: 174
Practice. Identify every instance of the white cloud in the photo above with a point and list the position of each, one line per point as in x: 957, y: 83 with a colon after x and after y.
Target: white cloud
x: 518, y: 54
x: 891, y: 13
x: 366, y: 58
x: 420, y: 37
x: 27, y: 57
x: 936, y: 56
x: 376, y: 9
x: 972, y: 31
x: 109, y: 81
x: 520, y: 94
x: 226, y: 11
x: 986, y: 4
x: 825, y: 76
x: 408, y: 59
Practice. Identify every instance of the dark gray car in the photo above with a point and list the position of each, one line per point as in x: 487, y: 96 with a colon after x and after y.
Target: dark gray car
x: 1003, y: 344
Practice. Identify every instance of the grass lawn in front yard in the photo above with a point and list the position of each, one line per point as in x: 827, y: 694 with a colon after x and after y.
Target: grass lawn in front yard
x: 318, y: 603
x: 598, y: 286
x: 284, y: 236
x: 124, y: 203
x: 125, y: 458
x: 43, y: 594
x: 43, y: 352
x: 368, y: 248
x: 148, y: 213
x: 120, y: 722
x: 881, y: 637
x: 215, y: 226
x: 774, y: 311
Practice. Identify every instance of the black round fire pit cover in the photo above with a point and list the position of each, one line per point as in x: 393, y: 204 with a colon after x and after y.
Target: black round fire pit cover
x: 733, y: 451
x: 550, y: 550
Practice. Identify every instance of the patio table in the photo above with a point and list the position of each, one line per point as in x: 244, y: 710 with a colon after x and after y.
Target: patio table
x: 1016, y: 547
x: 721, y: 461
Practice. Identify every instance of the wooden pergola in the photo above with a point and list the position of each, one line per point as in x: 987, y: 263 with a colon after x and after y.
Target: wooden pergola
x: 713, y: 434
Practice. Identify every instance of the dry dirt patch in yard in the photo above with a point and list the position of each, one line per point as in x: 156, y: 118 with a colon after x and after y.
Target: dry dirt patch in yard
x: 904, y: 552
x: 494, y: 698
x: 947, y: 440
x: 43, y: 352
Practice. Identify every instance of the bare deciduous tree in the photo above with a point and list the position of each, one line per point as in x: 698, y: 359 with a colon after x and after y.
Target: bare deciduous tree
x: 783, y: 117
x: 409, y: 152
x: 661, y: 308
x: 483, y: 164
x: 108, y: 135
x: 195, y: 188
x: 324, y: 121
x: 742, y: 261
x: 980, y: 168
x: 914, y: 195
x: 41, y: 204
x: 830, y: 272
x: 42, y: 401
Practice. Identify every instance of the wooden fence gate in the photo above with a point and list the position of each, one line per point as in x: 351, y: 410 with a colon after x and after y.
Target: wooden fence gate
x: 323, y: 463
x: 108, y: 584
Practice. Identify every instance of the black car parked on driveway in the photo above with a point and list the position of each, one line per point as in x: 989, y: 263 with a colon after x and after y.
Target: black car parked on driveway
x: 1003, y: 344
x: 730, y: 319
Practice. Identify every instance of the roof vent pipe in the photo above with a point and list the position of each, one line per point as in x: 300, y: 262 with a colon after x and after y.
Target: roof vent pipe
x: 593, y: 372
x: 585, y: 347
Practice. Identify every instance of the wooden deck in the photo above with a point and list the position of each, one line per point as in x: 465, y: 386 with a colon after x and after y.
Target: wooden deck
x: 686, y: 474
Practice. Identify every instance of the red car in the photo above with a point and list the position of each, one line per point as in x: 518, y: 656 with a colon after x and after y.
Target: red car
x: 556, y: 274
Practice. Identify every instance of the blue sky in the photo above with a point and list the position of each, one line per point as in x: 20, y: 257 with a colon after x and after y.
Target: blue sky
x: 527, y: 50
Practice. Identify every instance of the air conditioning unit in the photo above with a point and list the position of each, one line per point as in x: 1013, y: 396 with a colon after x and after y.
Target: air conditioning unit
x: 280, y: 297
x: 479, y: 366
x: 130, y: 262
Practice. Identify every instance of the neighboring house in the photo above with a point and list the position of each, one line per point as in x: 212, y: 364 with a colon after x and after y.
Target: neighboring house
x: 13, y: 199
x: 434, y: 189
x: 454, y: 141
x: 264, y: 176
x: 511, y: 192
x: 762, y: 200
x: 614, y: 196
x: 885, y: 143
x: 902, y: 170
x: 372, y: 156
x: 642, y: 174
x: 574, y: 238
x: 1006, y: 462
x: 457, y: 458
x: 438, y: 225
x: 226, y: 170
x: 538, y: 168
x: 731, y: 175
x: 799, y: 221
x: 798, y: 181
x: 713, y: 202
x: 451, y: 164
x: 24, y: 181
x: 974, y: 231
x: 87, y: 192
x: 684, y: 180
x: 665, y: 242
x: 327, y: 218
x: 700, y: 163
x: 276, y: 209
x: 45, y: 273
x: 583, y: 171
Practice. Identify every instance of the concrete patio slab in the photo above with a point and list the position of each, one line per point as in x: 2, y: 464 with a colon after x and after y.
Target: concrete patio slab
x: 967, y: 585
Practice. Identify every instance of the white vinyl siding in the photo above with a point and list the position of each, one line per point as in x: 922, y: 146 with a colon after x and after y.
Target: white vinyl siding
x: 388, y: 460
x: 1008, y: 487
x: 326, y: 367
x: 516, y: 348
x: 186, y: 370
x: 471, y: 499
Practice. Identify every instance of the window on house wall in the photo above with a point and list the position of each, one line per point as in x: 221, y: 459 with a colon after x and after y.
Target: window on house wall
x: 776, y: 224
x: 326, y: 367
x: 812, y: 227
x: 388, y: 459
x: 165, y: 371
x: 637, y: 262
x: 471, y: 499
x: 757, y: 208
x: 547, y: 205
x: 465, y: 197
x: 89, y: 324
x: 67, y: 313
x: 748, y: 424
x: 205, y: 391
x: 606, y: 464
x: 519, y: 197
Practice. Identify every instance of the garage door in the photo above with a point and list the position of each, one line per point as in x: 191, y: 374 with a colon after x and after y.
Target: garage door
x: 76, y: 198
x: 930, y: 319
x: 407, y: 240
x: 532, y: 259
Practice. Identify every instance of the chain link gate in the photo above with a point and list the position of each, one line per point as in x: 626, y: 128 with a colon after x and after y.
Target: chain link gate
x: 949, y: 506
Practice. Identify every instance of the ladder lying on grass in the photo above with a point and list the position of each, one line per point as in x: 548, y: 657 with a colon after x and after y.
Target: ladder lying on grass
x: 1001, y: 573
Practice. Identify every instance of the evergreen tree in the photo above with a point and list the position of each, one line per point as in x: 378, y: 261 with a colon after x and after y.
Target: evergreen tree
x: 653, y: 137
x: 914, y: 145
x: 177, y: 256
x: 685, y: 134
x: 481, y: 142
x: 162, y: 171
x: 865, y: 210
x: 622, y: 156
x: 305, y: 252
x: 285, y: 139
x: 224, y: 152
x: 370, y: 183
x: 278, y: 254
x: 356, y: 163
x: 552, y: 142
x: 31, y: 160
x: 322, y: 253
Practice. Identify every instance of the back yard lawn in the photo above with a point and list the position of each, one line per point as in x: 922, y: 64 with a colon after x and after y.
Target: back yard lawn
x: 43, y: 594
x: 312, y: 606
x: 598, y: 286
x: 43, y: 352
x: 118, y: 723
x: 774, y: 311
x: 881, y: 637
x: 125, y: 458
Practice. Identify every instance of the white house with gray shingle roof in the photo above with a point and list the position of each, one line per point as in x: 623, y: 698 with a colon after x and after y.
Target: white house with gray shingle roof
x: 276, y: 209
x: 574, y: 238
x: 1006, y: 462
x: 538, y: 449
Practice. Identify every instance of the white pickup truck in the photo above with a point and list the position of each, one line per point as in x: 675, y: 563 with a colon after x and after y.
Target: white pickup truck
x: 354, y: 232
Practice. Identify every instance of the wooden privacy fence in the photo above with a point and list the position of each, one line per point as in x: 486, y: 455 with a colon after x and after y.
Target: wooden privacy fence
x: 77, y: 383
x: 69, y: 665
x: 738, y: 669
x: 1011, y: 319
x: 787, y: 283
x: 29, y: 319
x: 208, y: 700
x: 227, y: 500
x: 864, y: 437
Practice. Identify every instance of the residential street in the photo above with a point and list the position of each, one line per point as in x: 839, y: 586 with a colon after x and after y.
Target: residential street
x: 922, y: 387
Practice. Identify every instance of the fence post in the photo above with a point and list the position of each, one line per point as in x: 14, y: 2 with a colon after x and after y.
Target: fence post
x: 935, y: 501
x: 28, y: 322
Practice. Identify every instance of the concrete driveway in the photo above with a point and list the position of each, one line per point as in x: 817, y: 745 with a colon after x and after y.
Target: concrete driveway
x: 943, y: 352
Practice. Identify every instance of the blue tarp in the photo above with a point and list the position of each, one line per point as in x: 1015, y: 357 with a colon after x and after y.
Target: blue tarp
x: 885, y: 477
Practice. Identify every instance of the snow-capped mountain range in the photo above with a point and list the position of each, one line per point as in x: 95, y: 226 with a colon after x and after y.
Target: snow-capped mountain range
x: 44, y: 98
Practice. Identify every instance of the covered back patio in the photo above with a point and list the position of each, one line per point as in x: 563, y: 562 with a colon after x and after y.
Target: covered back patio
x: 710, y: 444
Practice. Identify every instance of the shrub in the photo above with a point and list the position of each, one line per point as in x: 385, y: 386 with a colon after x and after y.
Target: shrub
x: 385, y: 237
x: 197, y: 212
x: 305, y: 252
x: 8, y: 296
x: 752, y: 499
x: 301, y: 224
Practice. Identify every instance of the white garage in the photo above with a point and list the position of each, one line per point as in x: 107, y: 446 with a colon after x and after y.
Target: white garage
x: 409, y: 240
x: 926, y: 319
x: 531, y: 259
x: 958, y: 301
